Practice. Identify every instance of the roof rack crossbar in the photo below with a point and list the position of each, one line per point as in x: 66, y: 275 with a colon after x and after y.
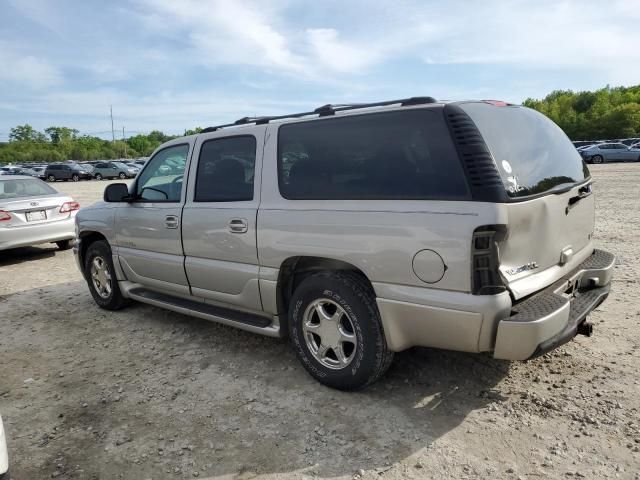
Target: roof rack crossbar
x: 324, y: 110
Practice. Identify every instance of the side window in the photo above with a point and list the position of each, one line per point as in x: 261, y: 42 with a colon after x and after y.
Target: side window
x: 161, y: 180
x: 391, y: 155
x: 226, y: 168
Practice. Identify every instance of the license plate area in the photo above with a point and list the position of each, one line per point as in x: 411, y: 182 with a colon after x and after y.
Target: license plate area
x: 36, y: 216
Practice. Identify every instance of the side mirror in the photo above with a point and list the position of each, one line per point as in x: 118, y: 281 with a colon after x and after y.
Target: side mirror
x: 117, y: 192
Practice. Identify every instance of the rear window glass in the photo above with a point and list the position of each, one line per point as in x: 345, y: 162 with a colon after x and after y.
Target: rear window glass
x: 392, y: 155
x: 24, y: 188
x: 532, y: 153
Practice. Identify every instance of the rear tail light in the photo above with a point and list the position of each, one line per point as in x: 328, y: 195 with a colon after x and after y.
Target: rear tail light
x: 486, y: 279
x: 4, y: 216
x: 69, y: 207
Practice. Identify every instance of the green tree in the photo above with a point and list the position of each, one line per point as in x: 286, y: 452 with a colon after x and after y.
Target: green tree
x: 61, y: 134
x: 25, y: 133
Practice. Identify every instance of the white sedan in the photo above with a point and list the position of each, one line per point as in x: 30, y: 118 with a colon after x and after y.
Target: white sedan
x: 4, y: 457
x: 32, y: 212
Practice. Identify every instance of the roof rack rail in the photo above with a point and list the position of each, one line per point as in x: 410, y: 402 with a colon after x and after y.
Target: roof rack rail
x: 323, y: 111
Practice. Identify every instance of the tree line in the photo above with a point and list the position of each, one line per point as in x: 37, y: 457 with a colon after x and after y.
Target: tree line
x: 57, y: 144
x: 607, y: 113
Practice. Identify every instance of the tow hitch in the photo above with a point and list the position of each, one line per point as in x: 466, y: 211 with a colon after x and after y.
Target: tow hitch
x: 585, y: 328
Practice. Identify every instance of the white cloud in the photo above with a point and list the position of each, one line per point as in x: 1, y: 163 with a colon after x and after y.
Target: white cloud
x: 20, y: 70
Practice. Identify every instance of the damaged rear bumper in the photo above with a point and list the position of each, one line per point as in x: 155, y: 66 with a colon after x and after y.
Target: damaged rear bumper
x: 553, y: 316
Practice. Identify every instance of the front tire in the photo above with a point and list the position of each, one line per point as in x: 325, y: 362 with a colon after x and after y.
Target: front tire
x: 122, y: 175
x: 98, y: 176
x: 51, y: 178
x: 597, y: 159
x: 335, y: 327
x: 75, y: 177
x: 101, y: 277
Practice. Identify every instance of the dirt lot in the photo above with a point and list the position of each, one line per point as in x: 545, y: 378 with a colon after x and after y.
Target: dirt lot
x: 148, y: 394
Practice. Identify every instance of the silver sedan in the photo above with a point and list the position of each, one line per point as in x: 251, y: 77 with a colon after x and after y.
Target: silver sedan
x: 610, y: 152
x: 32, y: 212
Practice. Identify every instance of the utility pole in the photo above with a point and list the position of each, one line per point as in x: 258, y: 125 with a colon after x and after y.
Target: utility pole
x: 113, y: 133
x: 125, y: 143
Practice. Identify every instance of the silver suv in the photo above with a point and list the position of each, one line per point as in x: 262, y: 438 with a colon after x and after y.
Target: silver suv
x: 360, y: 231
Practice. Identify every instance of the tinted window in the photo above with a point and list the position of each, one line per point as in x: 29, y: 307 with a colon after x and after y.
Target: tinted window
x: 226, y: 169
x: 24, y: 188
x: 532, y: 153
x: 161, y: 180
x: 393, y: 155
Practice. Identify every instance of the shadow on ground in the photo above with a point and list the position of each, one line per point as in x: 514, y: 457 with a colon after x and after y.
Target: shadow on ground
x: 144, y: 392
x: 16, y: 256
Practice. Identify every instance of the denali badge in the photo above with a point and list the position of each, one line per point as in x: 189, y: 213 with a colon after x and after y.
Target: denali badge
x: 523, y: 268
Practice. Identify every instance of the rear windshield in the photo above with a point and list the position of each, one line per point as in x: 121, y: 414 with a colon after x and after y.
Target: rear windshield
x: 532, y: 153
x: 391, y: 155
x: 24, y: 188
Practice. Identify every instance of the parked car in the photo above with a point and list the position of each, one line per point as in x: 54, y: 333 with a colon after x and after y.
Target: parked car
x: 64, y: 171
x: 361, y: 232
x: 610, y: 152
x: 582, y: 143
x: 39, y: 171
x: 4, y: 455
x: 113, y: 170
x: 630, y: 141
x: 11, y: 170
x: 32, y: 212
x: 134, y: 167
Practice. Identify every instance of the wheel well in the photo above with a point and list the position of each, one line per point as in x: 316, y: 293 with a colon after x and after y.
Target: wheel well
x: 87, y: 238
x: 295, y: 269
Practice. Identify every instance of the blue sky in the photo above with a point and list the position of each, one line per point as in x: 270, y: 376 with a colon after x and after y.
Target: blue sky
x: 176, y: 64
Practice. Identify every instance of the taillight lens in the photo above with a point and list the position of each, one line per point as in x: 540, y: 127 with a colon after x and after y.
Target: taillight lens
x: 485, y: 262
x: 69, y: 207
x: 4, y: 216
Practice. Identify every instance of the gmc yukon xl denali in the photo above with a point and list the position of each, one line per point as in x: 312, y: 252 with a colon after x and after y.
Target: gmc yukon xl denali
x: 360, y: 231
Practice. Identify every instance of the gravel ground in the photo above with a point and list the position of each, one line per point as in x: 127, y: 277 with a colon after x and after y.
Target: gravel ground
x: 149, y: 394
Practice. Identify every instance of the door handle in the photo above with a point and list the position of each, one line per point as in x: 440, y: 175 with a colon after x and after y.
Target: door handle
x: 171, y: 221
x: 238, y: 225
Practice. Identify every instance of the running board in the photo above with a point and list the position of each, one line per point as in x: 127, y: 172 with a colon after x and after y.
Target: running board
x: 234, y: 318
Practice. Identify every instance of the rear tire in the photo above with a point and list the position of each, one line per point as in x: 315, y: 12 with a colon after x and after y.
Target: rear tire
x: 597, y: 159
x: 329, y: 302
x: 51, y: 178
x: 122, y: 175
x: 101, y: 277
x: 64, y: 244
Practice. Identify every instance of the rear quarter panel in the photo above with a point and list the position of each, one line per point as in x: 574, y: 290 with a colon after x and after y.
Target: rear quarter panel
x: 378, y: 237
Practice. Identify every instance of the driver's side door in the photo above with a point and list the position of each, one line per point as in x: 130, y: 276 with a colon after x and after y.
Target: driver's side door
x: 148, y: 230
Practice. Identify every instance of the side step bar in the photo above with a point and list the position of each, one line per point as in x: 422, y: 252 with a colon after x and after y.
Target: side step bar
x: 234, y: 318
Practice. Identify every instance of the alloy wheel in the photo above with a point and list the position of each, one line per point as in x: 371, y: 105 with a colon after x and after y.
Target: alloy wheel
x: 101, y: 277
x: 329, y: 334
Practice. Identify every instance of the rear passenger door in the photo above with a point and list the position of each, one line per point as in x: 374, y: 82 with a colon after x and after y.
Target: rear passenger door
x: 219, y: 218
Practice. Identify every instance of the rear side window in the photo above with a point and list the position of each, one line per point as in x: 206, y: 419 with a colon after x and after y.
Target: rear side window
x: 392, y: 155
x: 226, y: 169
x: 533, y: 155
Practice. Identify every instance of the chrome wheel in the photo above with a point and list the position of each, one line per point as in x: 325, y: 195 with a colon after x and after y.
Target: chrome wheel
x: 101, y: 277
x: 329, y: 334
